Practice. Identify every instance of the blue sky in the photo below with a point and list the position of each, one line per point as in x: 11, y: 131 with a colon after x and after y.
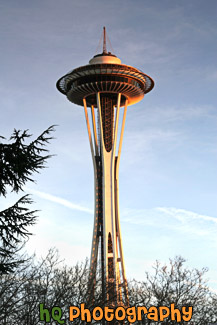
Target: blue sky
x: 168, y: 165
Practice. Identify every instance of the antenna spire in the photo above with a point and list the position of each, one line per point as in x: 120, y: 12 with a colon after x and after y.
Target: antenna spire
x: 104, y: 40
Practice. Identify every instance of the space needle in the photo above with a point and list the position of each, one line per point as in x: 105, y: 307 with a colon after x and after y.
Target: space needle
x: 104, y: 87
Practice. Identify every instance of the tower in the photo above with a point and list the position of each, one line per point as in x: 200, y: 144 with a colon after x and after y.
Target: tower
x: 105, y: 85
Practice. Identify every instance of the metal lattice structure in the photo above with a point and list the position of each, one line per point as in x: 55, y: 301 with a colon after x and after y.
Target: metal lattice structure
x: 105, y: 85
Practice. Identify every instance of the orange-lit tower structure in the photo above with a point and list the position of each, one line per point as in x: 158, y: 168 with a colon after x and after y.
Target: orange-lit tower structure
x: 105, y: 85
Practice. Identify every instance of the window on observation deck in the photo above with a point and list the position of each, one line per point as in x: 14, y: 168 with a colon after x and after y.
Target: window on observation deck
x: 105, y: 78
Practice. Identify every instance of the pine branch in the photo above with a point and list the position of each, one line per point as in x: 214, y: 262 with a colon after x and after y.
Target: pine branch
x: 19, y: 161
x: 14, y: 222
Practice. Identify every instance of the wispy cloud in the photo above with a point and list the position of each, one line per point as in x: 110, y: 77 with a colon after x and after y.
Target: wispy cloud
x: 170, y: 114
x: 184, y: 215
x: 142, y: 141
x: 180, y: 220
x: 165, y: 130
x: 59, y: 200
x: 212, y: 75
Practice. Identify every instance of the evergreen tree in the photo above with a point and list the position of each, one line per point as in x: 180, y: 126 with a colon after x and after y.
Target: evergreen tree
x: 18, y: 162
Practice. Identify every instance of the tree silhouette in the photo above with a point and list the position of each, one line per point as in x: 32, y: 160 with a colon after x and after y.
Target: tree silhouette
x: 18, y: 162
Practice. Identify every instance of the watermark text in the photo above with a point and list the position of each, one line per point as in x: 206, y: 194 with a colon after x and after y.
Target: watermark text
x: 131, y: 314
